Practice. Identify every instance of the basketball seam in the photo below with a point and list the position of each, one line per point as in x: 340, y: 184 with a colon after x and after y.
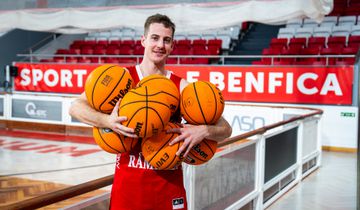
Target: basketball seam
x: 117, y: 84
x: 216, y: 110
x: 186, y: 113
x: 122, y: 143
x: 198, y: 102
x: 150, y: 101
x: 147, y: 110
x: 93, y: 90
x: 209, y: 147
x: 162, y: 146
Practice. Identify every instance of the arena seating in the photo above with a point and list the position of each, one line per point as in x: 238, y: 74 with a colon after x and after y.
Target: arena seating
x: 336, y: 35
x: 123, y: 45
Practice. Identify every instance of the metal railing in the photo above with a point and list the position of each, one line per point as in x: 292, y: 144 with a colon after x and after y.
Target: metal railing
x: 69, y: 192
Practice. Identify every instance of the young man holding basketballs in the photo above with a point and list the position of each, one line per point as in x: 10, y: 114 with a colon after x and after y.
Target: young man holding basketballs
x: 136, y: 184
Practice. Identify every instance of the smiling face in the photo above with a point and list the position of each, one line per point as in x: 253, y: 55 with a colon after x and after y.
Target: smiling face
x: 158, y: 43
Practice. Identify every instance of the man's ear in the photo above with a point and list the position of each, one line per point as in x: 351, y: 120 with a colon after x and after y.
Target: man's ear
x: 142, y: 40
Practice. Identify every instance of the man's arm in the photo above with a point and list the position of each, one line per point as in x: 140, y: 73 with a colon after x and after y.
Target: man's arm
x: 81, y: 110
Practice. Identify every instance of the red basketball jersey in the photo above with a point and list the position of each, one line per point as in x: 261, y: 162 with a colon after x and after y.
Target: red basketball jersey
x: 137, y: 185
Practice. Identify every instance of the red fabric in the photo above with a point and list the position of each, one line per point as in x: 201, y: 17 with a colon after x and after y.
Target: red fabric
x: 137, y: 186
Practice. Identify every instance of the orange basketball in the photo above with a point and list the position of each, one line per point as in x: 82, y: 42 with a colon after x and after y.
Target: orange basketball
x: 112, y: 142
x: 201, y: 153
x: 157, y: 151
x: 166, y: 86
x: 105, y: 85
x: 146, y: 109
x: 201, y: 102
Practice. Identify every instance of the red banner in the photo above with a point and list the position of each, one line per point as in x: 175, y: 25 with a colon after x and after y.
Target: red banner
x: 300, y: 85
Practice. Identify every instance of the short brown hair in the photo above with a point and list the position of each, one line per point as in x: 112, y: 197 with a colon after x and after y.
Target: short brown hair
x: 159, y: 18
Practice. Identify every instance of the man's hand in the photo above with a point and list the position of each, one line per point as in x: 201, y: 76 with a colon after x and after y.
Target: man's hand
x: 191, y: 135
x: 115, y: 123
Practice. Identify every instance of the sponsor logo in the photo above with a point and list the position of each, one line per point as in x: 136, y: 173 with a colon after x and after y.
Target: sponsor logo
x: 138, y: 128
x: 106, y: 81
x: 248, y: 123
x: 32, y: 111
x: 162, y: 160
x: 121, y: 93
x: 178, y: 203
x: 197, y: 148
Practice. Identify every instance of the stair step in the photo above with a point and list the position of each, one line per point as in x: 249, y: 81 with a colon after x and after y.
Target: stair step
x: 257, y: 39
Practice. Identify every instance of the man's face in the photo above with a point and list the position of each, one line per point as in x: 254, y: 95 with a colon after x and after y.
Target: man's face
x: 158, y: 43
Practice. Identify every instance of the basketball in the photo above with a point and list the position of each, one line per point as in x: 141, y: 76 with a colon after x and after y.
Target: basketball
x: 166, y: 86
x: 105, y: 85
x: 201, y: 102
x: 157, y: 151
x: 112, y: 142
x: 146, y: 109
x: 201, y: 153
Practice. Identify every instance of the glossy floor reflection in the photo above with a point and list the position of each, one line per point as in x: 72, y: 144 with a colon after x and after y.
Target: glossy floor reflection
x: 331, y: 187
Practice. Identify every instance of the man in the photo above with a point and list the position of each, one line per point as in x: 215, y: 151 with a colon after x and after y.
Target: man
x: 136, y: 184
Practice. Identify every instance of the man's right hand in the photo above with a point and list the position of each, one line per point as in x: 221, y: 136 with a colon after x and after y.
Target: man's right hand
x: 115, y: 123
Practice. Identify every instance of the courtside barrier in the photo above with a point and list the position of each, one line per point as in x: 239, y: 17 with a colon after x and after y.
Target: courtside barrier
x: 252, y: 169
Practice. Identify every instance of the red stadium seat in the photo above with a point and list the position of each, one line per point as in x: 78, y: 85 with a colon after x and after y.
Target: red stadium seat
x: 126, y: 50
x: 350, y: 50
x: 75, y: 51
x: 86, y: 51
x: 214, y: 46
x: 129, y: 43
x: 112, y: 51
x: 318, y: 42
x: 84, y: 60
x: 115, y: 43
x: 100, y: 51
x: 199, y: 51
x: 199, y: 43
x: 172, y: 61
x: 62, y: 51
x: 71, y: 60
x: 345, y: 62
x: 127, y: 60
x: 336, y: 42
x: 111, y: 60
x: 261, y: 62
x: 278, y: 43
x: 198, y: 61
x: 330, y: 51
x: 139, y: 50
x: 283, y: 62
x: 298, y: 43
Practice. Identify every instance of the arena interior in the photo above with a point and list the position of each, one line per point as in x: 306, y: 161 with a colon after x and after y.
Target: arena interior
x: 288, y: 71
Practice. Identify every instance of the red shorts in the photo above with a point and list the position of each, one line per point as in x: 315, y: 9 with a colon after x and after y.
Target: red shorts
x: 138, y: 186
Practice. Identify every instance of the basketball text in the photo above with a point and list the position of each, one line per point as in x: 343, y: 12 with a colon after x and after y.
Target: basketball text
x: 121, y: 93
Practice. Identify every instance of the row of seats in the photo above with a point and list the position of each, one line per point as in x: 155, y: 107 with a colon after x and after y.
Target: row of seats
x: 327, y: 21
x: 316, y: 42
x: 303, y: 51
x: 322, y: 31
x: 345, y: 8
x: 122, y: 60
x: 225, y: 34
x: 80, y: 51
x: 132, y: 47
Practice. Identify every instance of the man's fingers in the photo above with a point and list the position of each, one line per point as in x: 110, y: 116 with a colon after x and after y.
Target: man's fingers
x: 121, y: 119
x: 173, y: 130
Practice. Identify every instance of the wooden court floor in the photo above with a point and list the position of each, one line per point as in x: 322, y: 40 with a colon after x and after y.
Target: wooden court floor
x: 13, y: 189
